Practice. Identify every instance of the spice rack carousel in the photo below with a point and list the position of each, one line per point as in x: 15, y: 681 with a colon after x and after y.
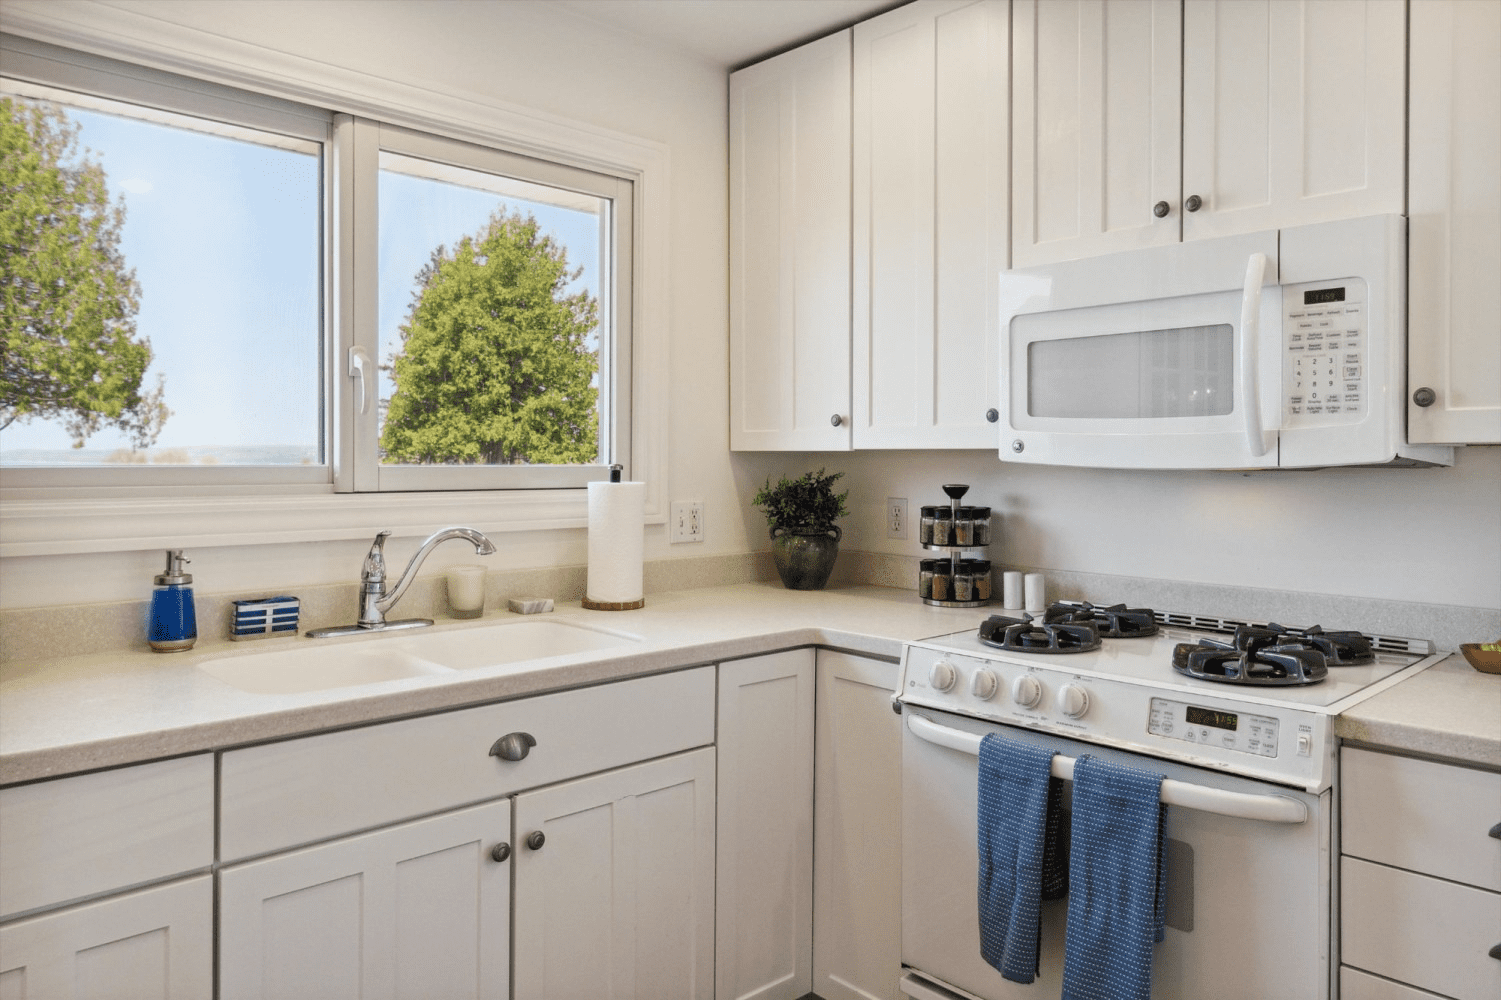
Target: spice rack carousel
x: 953, y: 580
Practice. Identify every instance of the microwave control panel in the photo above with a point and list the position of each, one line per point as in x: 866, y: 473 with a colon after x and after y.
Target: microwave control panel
x: 1324, y: 367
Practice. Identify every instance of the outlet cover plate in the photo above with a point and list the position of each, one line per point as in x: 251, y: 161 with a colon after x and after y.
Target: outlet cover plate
x: 896, y: 518
x: 687, y: 523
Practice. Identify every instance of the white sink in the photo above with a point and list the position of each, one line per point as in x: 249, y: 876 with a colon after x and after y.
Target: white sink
x: 327, y: 664
x: 512, y: 642
x: 318, y: 668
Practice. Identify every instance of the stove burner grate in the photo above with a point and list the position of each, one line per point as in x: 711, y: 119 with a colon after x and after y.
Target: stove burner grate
x: 1114, y: 622
x: 1280, y: 666
x: 1031, y: 635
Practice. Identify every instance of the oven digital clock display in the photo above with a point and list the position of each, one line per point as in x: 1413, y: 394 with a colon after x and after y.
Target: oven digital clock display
x: 1196, y: 716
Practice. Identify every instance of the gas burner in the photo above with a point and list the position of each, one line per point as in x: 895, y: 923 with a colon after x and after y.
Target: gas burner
x: 1340, y: 649
x: 1251, y: 659
x: 1114, y: 622
x: 1030, y: 635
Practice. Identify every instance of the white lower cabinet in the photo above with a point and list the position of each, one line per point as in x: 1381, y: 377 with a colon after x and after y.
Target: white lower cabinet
x: 416, y: 910
x: 765, y: 844
x: 809, y: 891
x: 151, y: 944
x: 615, y: 884
x: 857, y: 830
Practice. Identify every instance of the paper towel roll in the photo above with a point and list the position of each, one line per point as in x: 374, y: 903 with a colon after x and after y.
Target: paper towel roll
x: 616, y: 540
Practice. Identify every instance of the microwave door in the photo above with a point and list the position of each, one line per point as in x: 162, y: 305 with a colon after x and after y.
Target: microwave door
x: 1166, y: 384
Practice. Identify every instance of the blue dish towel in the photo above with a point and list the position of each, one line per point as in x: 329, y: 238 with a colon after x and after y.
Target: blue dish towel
x: 1019, y: 819
x: 1117, y: 882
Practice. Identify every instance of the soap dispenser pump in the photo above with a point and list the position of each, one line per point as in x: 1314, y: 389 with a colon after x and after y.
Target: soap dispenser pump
x: 174, y: 625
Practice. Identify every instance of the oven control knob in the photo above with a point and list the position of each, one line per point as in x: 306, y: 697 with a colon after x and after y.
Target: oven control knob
x: 943, y: 675
x: 1074, y: 701
x: 1027, y: 691
x: 983, y: 685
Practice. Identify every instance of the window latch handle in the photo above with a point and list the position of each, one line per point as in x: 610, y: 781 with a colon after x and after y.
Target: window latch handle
x: 359, y: 368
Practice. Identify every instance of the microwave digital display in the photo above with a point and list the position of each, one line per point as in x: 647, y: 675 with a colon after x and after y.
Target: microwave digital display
x: 1321, y: 295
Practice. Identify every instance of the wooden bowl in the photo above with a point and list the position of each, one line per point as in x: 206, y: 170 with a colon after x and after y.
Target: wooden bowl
x: 1487, y: 661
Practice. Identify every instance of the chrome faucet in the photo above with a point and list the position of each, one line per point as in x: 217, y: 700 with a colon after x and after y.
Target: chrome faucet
x: 375, y: 600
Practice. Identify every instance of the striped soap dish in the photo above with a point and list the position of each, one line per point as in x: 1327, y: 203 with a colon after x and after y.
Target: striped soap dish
x: 260, y: 617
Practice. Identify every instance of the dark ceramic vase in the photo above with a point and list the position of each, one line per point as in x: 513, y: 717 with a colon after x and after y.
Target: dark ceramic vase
x: 804, y: 557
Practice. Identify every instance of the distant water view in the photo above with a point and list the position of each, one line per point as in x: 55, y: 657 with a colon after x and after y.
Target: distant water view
x: 269, y: 454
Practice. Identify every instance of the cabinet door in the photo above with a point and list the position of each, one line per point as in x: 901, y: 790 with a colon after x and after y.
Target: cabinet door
x: 857, y: 831
x: 1293, y: 112
x: 616, y: 900
x: 160, y: 941
x: 413, y: 911
x: 1096, y: 128
x: 931, y: 101
x: 1453, y: 241
x: 790, y: 250
x: 765, y: 856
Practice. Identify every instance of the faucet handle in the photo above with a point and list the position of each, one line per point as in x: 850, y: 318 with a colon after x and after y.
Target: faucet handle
x: 375, y: 560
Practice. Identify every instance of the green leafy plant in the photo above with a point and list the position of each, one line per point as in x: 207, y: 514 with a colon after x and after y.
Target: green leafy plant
x: 805, y: 504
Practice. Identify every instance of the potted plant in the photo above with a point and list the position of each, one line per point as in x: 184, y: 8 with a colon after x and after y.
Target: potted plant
x: 800, y: 514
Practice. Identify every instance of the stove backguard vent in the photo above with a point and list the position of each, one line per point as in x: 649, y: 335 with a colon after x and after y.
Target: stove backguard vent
x: 1213, y: 623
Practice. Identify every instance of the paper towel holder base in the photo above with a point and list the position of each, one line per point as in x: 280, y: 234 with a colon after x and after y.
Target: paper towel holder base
x: 614, y: 605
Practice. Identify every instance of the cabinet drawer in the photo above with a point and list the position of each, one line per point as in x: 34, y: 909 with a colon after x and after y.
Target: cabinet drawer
x: 1433, y: 934
x: 304, y: 790
x: 74, y: 837
x: 1420, y: 815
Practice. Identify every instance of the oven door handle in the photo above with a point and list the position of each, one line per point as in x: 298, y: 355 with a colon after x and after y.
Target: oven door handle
x: 1239, y: 805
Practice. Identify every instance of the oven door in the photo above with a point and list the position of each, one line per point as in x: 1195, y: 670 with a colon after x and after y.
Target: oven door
x: 1248, y: 906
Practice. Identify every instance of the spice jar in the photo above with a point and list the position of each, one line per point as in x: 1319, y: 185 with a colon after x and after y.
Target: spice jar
x: 982, y: 525
x: 925, y: 578
x: 943, y: 579
x: 925, y: 526
x: 943, y: 526
x: 964, y: 526
x: 982, y: 579
x: 964, y: 580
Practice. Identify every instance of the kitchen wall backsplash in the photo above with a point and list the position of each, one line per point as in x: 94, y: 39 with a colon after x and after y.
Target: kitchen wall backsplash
x: 30, y: 634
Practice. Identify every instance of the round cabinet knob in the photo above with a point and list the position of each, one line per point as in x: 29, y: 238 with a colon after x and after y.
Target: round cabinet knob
x: 535, y: 840
x: 836, y: 420
x: 500, y: 852
x: 1027, y: 691
x: 513, y: 746
x: 1424, y: 396
x: 943, y: 675
x: 992, y: 415
x: 983, y: 685
x: 1161, y: 209
x: 1193, y: 203
x: 1074, y: 701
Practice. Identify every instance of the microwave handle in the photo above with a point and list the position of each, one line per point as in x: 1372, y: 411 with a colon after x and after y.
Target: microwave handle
x: 1250, y: 323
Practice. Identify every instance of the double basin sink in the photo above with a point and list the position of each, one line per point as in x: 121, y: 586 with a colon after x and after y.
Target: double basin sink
x: 323, y: 665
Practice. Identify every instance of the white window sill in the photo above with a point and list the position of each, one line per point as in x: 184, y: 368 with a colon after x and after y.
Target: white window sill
x: 38, y: 527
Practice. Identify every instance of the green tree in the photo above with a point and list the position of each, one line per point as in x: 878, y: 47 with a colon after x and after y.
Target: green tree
x: 494, y: 366
x: 67, y: 301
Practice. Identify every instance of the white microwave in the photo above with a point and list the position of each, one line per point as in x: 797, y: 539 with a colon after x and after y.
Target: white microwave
x: 1281, y: 349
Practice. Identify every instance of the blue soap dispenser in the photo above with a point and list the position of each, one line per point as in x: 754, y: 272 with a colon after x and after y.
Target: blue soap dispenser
x: 173, y: 626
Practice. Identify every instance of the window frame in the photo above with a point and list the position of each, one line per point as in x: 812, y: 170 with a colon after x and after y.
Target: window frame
x: 127, y: 517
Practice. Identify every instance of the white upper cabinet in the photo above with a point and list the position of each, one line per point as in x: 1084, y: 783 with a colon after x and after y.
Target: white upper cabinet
x: 930, y: 134
x: 1097, y: 125
x: 1453, y: 240
x: 790, y: 250
x: 1292, y: 112
x: 1289, y: 112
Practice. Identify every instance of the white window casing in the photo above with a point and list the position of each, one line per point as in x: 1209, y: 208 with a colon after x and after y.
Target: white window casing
x: 247, y: 84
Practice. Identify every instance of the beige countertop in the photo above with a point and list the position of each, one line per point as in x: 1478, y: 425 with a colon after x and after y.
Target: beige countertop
x: 1449, y: 710
x: 105, y: 710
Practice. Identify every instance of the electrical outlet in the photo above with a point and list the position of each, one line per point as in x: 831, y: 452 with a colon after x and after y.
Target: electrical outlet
x: 896, y: 517
x: 687, y: 521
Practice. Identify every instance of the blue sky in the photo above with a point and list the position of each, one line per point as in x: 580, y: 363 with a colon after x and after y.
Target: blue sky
x: 223, y: 236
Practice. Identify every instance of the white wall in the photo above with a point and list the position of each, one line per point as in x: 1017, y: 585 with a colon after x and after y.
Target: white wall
x: 540, y: 57
x: 1431, y: 536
